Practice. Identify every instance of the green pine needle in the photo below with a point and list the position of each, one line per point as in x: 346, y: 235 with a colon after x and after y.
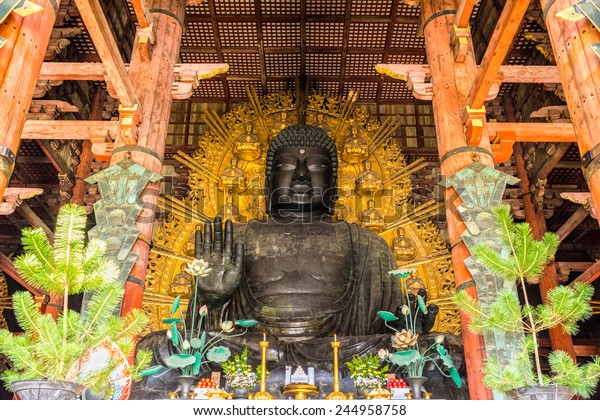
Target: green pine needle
x: 48, y: 348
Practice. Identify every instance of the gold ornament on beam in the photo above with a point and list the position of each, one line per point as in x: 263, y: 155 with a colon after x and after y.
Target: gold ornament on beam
x: 379, y: 181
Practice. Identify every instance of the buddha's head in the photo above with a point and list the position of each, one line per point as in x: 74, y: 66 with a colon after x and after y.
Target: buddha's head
x: 301, y: 171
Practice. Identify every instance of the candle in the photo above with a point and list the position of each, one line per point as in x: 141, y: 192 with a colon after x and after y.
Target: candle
x: 334, y: 337
x: 264, y: 336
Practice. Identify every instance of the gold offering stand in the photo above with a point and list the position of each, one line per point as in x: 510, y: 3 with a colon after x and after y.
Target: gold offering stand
x: 378, y: 394
x: 300, y: 390
x: 219, y: 394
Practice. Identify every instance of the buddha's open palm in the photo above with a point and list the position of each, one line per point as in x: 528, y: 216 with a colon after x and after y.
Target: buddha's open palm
x: 226, y: 262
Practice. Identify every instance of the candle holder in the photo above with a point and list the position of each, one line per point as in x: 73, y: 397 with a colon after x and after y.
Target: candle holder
x: 336, y: 394
x: 263, y: 394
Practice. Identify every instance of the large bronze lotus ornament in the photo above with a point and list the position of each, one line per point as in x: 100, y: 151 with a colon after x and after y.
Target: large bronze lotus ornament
x: 404, y: 339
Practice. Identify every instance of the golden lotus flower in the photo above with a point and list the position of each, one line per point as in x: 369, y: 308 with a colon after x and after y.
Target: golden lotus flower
x: 404, y: 339
x: 198, y: 268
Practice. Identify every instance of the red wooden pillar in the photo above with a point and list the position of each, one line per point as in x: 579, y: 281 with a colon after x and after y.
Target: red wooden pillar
x: 579, y: 70
x: 21, y: 67
x: 450, y: 87
x: 152, y: 81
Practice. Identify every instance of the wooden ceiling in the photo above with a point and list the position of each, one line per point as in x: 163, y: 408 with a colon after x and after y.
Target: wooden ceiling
x: 270, y: 44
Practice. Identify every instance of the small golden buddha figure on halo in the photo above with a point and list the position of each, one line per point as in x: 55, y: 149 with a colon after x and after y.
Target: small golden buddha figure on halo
x: 368, y: 182
x: 404, y: 247
x: 320, y: 122
x: 247, y: 146
x: 355, y: 149
x: 181, y: 285
x: 280, y: 123
x: 229, y: 211
x: 372, y: 218
x: 233, y: 178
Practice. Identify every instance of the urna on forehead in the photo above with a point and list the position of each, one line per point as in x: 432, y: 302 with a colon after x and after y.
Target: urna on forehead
x: 302, y: 136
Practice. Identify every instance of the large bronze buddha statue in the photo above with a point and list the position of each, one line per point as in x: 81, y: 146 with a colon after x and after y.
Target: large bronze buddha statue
x: 303, y: 276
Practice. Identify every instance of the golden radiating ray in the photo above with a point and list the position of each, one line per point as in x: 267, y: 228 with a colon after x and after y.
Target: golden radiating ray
x: 216, y: 124
x: 345, y: 111
x: 161, y: 299
x: 423, y: 212
x: 255, y: 103
x: 181, y: 211
x: 408, y: 169
x: 188, y: 161
x: 433, y: 257
x: 385, y: 130
x: 167, y: 253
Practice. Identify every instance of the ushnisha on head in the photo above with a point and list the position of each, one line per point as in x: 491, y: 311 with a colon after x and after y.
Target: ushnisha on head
x: 301, y: 174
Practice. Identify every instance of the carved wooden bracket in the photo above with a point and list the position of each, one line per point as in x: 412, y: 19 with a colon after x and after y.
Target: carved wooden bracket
x: 188, y: 76
x: 146, y: 39
x: 553, y: 113
x: 13, y: 197
x: 474, y: 121
x: 59, y: 40
x: 49, y: 109
x: 129, y: 120
x: 459, y: 39
x: 502, y: 146
x: 418, y: 79
x: 44, y: 86
x: 583, y: 198
x: 538, y: 190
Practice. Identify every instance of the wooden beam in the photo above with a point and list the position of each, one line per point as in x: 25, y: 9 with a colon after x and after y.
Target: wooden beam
x: 34, y: 220
x: 507, y: 74
x: 95, y: 21
x: 345, y: 42
x: 8, y: 267
x: 141, y: 13
x: 218, y: 48
x: 72, y: 71
x: 579, y: 71
x: 529, y: 74
x: 186, y: 76
x: 57, y: 161
x: 553, y: 160
x: 20, y: 65
x: 85, y: 159
x: 572, y: 222
x: 70, y: 130
x: 463, y: 13
x: 261, y: 45
x: 502, y: 38
x: 535, y: 132
x: 589, y: 275
x: 575, y: 266
x: 583, y: 347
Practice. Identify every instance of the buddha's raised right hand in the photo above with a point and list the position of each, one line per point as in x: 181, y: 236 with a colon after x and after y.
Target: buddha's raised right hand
x: 226, y: 263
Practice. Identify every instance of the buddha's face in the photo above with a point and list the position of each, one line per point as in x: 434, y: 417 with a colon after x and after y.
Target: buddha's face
x: 300, y: 179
